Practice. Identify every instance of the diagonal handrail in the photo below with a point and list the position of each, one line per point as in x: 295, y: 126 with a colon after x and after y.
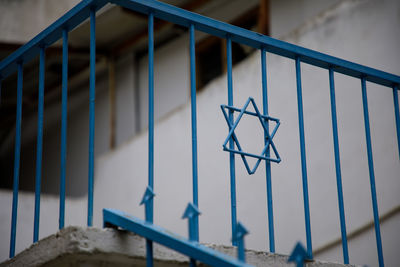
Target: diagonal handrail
x: 150, y: 231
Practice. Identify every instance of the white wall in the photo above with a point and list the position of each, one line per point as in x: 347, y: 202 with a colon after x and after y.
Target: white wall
x: 171, y: 80
x: 287, y: 15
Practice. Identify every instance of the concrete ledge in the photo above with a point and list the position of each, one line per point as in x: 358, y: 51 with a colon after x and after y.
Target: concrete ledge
x: 81, y: 246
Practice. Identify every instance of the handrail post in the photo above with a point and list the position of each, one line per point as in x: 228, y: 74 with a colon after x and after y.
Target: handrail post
x: 194, y: 124
x: 92, y: 99
x: 149, y: 243
x: 303, y: 159
x: 231, y: 142
x: 337, y: 167
x: 64, y: 115
x: 371, y: 172
x: 17, y: 156
x: 267, y: 162
x: 397, y: 114
x: 39, y: 146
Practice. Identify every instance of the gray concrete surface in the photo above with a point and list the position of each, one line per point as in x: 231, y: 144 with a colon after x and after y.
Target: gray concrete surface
x: 89, y: 246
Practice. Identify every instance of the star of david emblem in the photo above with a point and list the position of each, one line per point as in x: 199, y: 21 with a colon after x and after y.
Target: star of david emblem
x: 264, y: 120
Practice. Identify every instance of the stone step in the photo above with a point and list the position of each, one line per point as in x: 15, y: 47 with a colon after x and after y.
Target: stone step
x: 89, y: 246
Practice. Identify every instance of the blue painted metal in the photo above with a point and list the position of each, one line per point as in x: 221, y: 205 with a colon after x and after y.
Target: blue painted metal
x: 157, y: 234
x: 268, y: 142
x: 371, y: 173
x: 92, y: 99
x: 147, y: 200
x: 194, y: 124
x: 256, y: 40
x: 39, y: 146
x: 267, y: 153
x: 337, y: 167
x: 241, y: 231
x: 397, y: 114
x: 303, y: 159
x: 298, y: 255
x: 149, y: 253
x: 231, y: 142
x: 149, y: 244
x: 17, y: 156
x: 191, y: 213
x: 64, y: 114
x: 151, y: 105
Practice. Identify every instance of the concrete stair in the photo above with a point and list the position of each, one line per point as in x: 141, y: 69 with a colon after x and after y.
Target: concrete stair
x: 89, y: 246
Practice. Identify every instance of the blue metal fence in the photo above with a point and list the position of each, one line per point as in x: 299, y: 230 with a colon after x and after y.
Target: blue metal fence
x: 154, y: 9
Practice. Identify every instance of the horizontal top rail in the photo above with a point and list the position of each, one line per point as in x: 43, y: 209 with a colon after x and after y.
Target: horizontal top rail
x: 185, y: 18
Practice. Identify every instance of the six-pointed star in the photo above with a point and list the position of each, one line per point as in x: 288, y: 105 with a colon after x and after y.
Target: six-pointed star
x: 268, y: 137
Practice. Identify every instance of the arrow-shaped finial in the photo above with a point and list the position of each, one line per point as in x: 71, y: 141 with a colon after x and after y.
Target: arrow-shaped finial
x: 240, y: 232
x: 299, y: 255
x: 191, y: 212
x: 148, y: 195
x: 147, y: 201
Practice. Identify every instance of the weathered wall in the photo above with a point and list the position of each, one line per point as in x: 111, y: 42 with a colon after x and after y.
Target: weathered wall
x: 21, y: 20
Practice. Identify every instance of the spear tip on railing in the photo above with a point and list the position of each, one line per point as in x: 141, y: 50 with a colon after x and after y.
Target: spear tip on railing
x: 240, y: 232
x: 298, y: 255
x: 191, y: 211
x: 148, y: 195
x: 238, y: 238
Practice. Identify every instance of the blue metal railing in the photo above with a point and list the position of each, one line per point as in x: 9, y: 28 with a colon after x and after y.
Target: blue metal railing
x: 154, y: 9
x: 64, y: 113
x: 39, y: 150
x: 337, y: 167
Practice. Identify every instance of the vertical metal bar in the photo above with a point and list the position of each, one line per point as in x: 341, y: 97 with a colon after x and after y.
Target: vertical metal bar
x: 0, y: 88
x: 194, y: 124
x: 39, y: 146
x: 231, y: 142
x: 149, y: 243
x: 337, y: 167
x: 303, y: 159
x: 194, y: 133
x: 17, y: 155
x: 92, y: 98
x: 64, y: 114
x: 371, y: 172
x: 396, y: 114
x: 267, y: 163
x: 149, y: 253
x: 151, y: 106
